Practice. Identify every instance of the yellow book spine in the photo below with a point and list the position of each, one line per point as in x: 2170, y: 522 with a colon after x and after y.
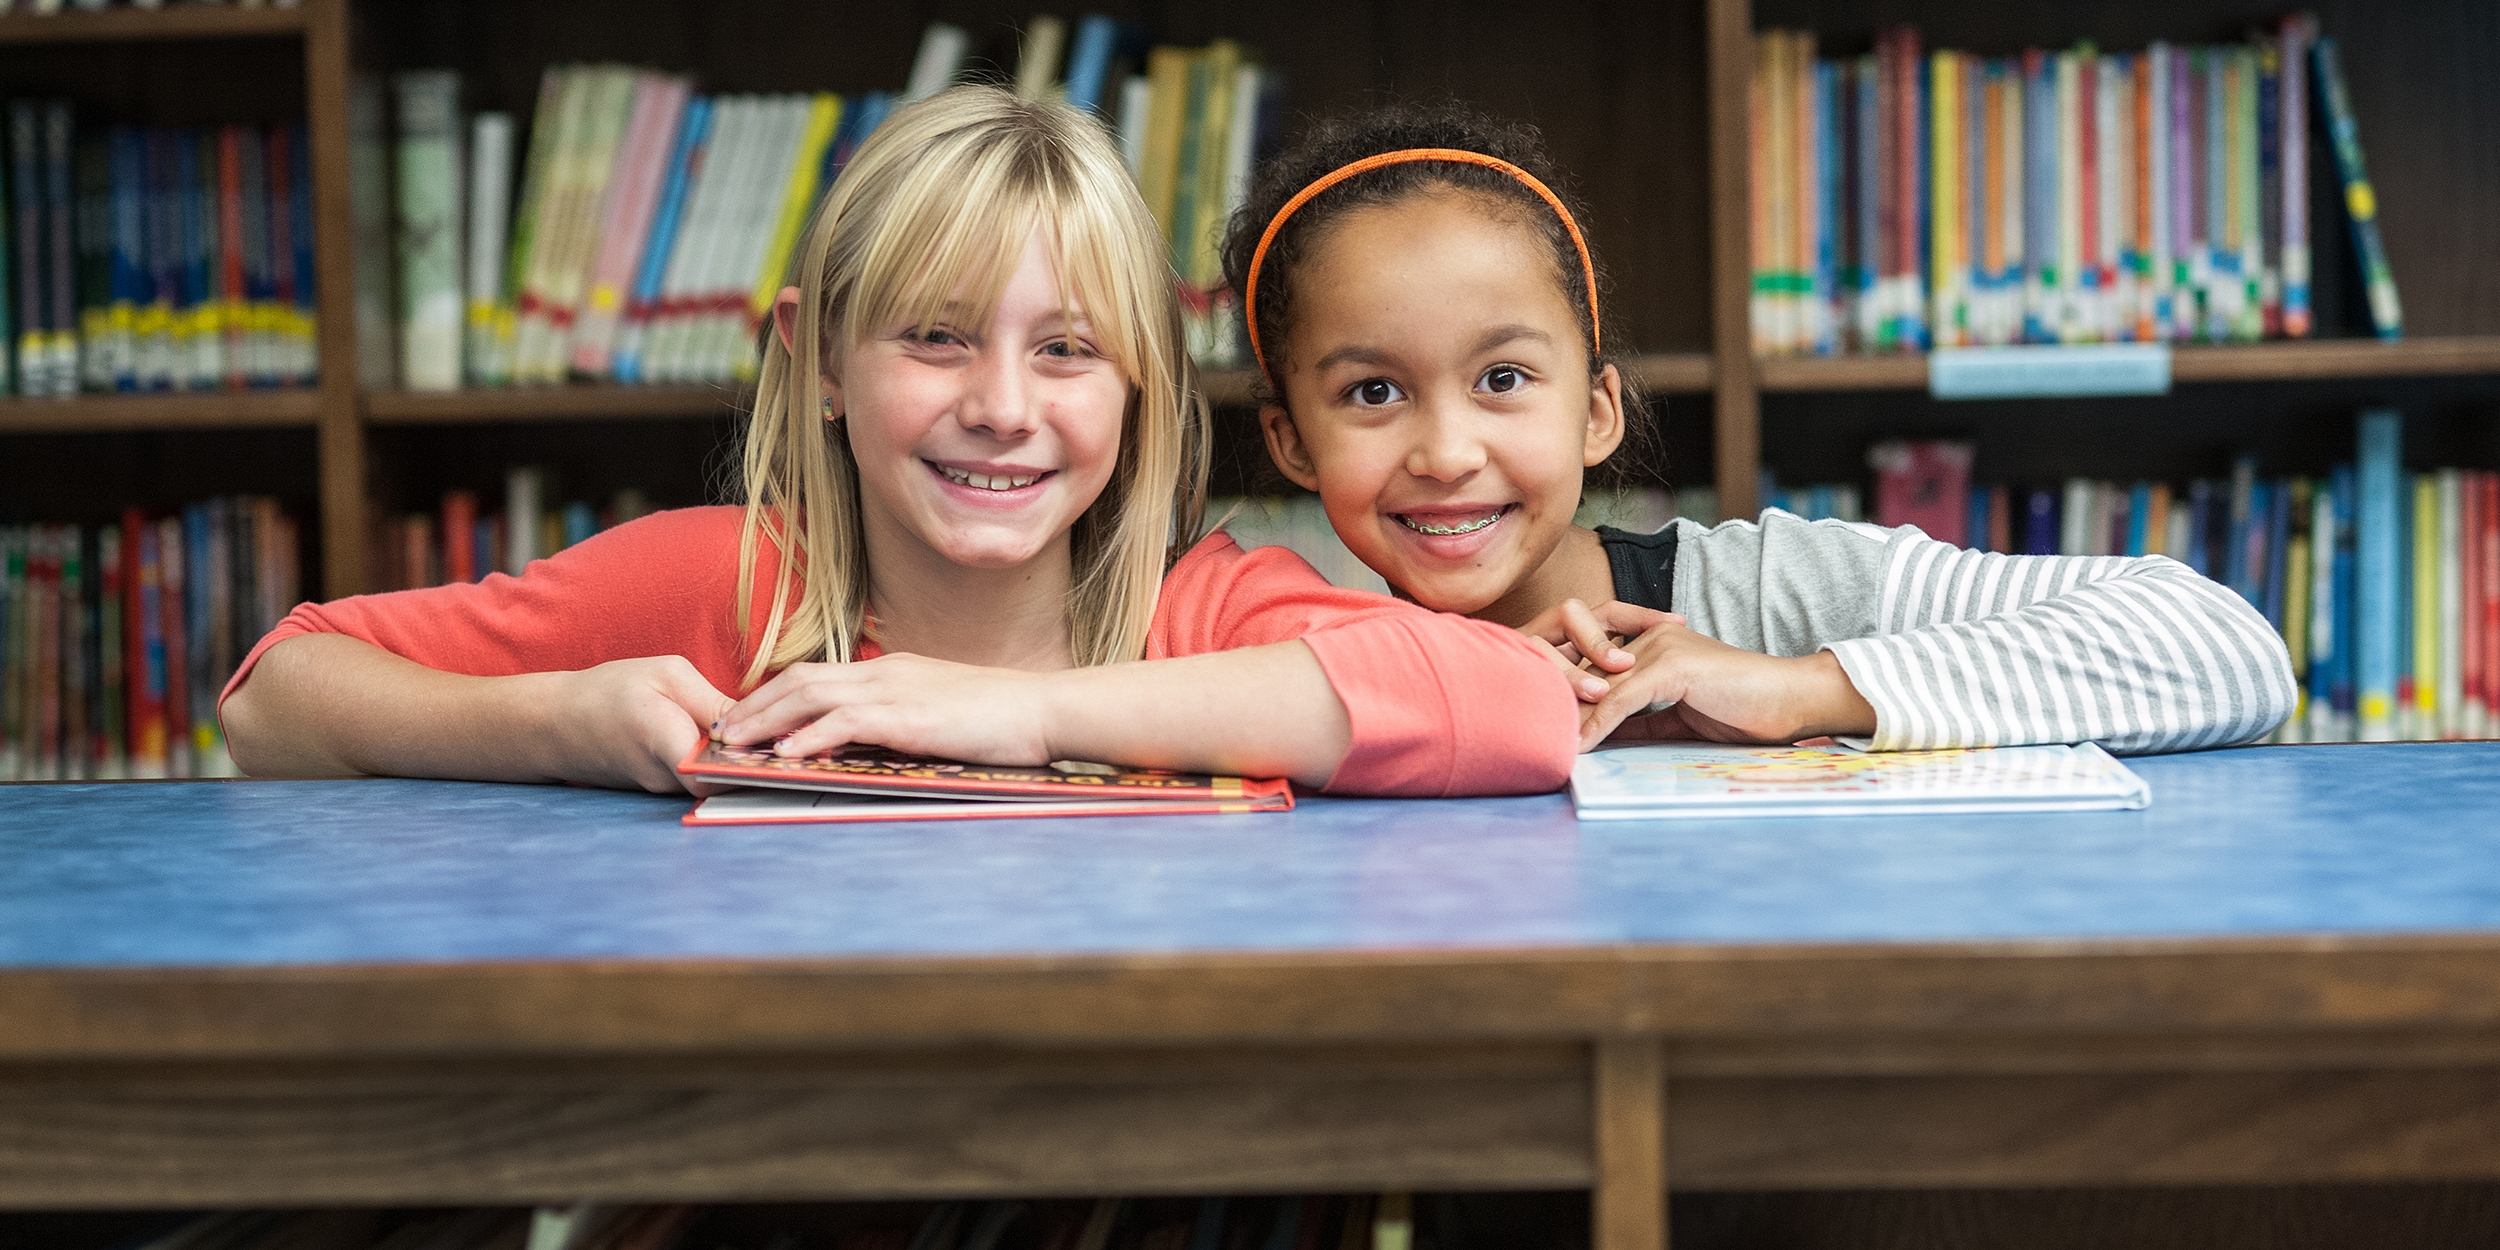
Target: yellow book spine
x: 1944, y: 185
x: 797, y: 201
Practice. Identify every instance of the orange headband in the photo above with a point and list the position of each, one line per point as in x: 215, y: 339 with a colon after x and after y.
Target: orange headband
x: 1408, y: 156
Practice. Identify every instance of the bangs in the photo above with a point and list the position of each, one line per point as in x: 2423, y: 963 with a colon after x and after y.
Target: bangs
x: 955, y: 231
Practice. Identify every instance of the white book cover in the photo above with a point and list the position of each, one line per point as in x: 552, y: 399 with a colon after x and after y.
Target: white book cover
x: 942, y: 52
x: 725, y: 316
x: 1136, y: 100
x: 429, y: 229
x: 1665, y: 781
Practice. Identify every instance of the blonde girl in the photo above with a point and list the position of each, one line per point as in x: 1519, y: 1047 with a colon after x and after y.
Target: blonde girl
x: 973, y: 482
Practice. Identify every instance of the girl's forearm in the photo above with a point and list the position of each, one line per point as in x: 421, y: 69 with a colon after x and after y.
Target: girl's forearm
x: 1256, y: 712
x: 327, y: 705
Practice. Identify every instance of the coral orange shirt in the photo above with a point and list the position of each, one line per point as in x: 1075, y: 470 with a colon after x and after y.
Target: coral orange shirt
x: 1440, y: 705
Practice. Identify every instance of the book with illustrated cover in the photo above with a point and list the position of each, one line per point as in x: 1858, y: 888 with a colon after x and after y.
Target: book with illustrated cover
x: 1664, y: 781
x: 872, y: 783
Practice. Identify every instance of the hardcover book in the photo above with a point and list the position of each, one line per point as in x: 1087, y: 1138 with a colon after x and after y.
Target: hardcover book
x: 1667, y: 781
x: 872, y: 783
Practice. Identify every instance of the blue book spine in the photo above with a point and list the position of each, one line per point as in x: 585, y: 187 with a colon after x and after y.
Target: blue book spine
x: 2360, y: 201
x: 1827, y: 216
x: 652, y: 269
x: 1870, y: 206
x: 2039, y: 194
x: 2323, y: 617
x: 2040, y: 525
x: 579, y: 522
x: 164, y: 263
x: 25, y: 181
x: 2381, y: 482
x: 299, y: 216
x: 2278, y: 554
x: 1976, y: 534
x: 192, y: 287
x: 129, y: 255
x: 483, y: 556
x: 1089, y: 60
x: 2139, y: 514
x: 2347, y: 610
x: 2200, y: 505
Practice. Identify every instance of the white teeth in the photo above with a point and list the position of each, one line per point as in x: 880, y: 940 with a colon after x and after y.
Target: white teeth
x: 1464, y: 527
x: 984, y: 481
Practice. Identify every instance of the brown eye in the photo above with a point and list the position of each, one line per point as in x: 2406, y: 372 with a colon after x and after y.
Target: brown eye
x: 1502, y: 379
x: 1374, y: 392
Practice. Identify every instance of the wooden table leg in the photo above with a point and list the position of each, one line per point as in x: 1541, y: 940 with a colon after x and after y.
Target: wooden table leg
x: 1629, y: 1202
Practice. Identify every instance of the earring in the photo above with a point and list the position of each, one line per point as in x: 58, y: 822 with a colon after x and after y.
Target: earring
x: 830, y: 414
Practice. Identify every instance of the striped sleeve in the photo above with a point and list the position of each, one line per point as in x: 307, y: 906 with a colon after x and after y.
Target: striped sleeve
x: 1967, y: 648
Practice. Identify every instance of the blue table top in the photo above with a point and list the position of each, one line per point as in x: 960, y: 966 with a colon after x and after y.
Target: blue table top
x: 2252, y: 842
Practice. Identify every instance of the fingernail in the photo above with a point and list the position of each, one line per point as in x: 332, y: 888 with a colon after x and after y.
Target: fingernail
x: 1592, y: 687
x: 1618, y: 656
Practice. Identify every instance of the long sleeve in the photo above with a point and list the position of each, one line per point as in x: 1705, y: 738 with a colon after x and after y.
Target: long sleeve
x: 1440, y: 705
x: 1967, y: 648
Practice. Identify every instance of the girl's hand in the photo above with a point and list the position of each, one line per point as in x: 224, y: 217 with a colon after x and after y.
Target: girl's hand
x: 626, y: 723
x: 908, y: 703
x: 1576, y: 633
x: 1726, y: 694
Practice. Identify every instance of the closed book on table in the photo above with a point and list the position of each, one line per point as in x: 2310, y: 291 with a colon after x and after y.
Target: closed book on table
x: 871, y: 783
x: 1665, y: 781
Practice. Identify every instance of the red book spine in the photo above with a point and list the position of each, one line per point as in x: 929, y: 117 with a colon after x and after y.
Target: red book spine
x: 2088, y: 168
x: 2469, y: 601
x: 230, y: 252
x: 460, y: 537
x: 417, y: 534
x: 43, y: 579
x: 2489, y: 516
x: 172, y: 589
x: 147, y: 671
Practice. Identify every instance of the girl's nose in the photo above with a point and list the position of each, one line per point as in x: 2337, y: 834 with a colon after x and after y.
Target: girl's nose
x: 996, y: 397
x: 1448, y: 446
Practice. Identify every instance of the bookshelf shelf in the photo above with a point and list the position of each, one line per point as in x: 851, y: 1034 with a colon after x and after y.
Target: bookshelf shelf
x: 550, y: 403
x: 98, y: 413
x: 189, y: 21
x: 1674, y: 373
x: 2294, y: 361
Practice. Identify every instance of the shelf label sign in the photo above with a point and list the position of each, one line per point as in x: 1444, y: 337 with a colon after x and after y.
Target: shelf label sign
x: 2049, y: 372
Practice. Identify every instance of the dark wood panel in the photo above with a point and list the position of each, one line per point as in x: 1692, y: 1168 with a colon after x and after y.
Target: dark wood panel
x: 2145, y: 989
x: 552, y: 403
x: 988, y: 1126
x: 143, y: 25
x: 2309, y: 1217
x: 80, y: 414
x: 2134, y: 1129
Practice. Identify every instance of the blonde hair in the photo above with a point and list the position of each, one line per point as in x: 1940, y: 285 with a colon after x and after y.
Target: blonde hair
x: 939, y: 201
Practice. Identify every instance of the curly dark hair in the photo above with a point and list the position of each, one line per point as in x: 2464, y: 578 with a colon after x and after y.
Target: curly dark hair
x: 1341, y: 140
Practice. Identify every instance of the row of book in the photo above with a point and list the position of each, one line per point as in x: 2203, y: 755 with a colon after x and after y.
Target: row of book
x: 1352, y: 1222
x: 1905, y: 199
x: 2384, y: 584
x: 463, y: 542
x: 115, y: 641
x: 653, y: 225
x: 154, y: 258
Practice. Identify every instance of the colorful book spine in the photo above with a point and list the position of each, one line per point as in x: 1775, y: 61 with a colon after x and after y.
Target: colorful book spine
x: 2360, y: 200
x: 488, y: 325
x: 2379, y: 476
x: 685, y: 166
x: 633, y: 196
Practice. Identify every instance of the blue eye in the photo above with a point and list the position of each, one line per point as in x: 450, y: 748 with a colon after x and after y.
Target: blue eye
x: 1502, y: 379
x: 1376, y: 392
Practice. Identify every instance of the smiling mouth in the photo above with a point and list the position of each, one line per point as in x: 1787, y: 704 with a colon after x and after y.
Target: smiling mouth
x: 985, y: 481
x: 1444, y: 531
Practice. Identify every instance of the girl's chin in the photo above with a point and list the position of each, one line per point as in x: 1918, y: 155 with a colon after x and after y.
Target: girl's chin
x: 1444, y: 592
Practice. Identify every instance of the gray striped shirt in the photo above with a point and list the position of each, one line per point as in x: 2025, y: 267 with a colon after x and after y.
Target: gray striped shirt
x: 1962, y: 648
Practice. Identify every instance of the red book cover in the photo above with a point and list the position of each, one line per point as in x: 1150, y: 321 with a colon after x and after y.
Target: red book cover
x: 460, y: 537
x: 171, y: 592
x: 1925, y: 483
x: 2000, y: 521
x: 871, y: 783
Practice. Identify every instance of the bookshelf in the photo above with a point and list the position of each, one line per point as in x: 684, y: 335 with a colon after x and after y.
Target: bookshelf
x: 1646, y: 105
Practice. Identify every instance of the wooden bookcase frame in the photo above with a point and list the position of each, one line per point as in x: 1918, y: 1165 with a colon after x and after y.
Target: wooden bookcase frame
x: 341, y: 412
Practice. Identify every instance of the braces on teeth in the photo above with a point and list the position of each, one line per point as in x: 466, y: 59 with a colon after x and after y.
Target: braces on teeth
x: 1468, y: 527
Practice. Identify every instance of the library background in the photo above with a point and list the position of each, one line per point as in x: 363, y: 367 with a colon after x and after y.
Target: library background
x: 310, y: 300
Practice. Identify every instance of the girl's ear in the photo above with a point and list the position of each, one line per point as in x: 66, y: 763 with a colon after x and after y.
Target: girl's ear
x: 785, y: 324
x: 786, y: 317
x: 1605, y: 428
x: 1286, y: 448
